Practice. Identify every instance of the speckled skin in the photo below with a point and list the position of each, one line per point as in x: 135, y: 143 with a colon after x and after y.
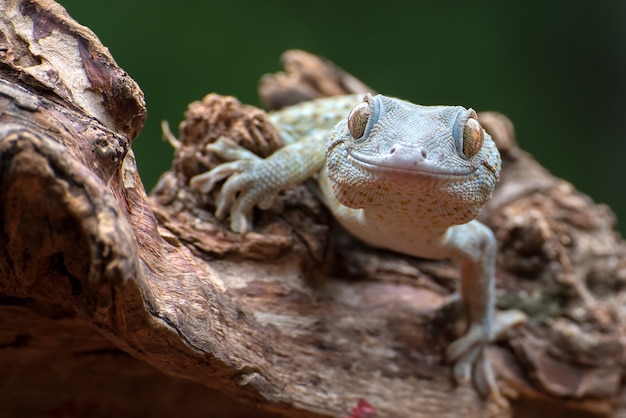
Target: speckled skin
x: 404, y: 185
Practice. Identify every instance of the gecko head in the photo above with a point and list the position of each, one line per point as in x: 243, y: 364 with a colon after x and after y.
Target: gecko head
x: 388, y: 145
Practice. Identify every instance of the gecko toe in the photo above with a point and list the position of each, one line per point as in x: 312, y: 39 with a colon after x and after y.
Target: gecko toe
x: 462, y: 369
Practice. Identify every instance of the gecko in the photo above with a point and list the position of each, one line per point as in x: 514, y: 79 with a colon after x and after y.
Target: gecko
x: 397, y: 176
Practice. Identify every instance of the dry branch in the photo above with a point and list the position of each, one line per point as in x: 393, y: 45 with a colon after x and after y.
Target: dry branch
x: 295, y: 317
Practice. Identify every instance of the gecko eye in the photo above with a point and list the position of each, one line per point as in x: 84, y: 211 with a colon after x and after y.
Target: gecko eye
x: 472, y: 136
x: 357, y: 120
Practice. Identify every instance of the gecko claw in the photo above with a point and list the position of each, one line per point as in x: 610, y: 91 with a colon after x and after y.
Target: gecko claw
x: 462, y: 368
x: 469, y: 356
x: 484, y: 378
x: 239, y: 174
x: 462, y: 350
x: 229, y: 150
x: 469, y: 360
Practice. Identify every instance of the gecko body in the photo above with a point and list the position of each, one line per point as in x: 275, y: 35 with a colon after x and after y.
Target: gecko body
x: 398, y: 176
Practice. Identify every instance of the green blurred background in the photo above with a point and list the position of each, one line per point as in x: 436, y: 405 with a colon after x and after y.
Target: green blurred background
x: 557, y: 69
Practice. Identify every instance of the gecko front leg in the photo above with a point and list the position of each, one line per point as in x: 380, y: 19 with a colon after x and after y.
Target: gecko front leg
x: 254, y: 181
x: 473, y: 247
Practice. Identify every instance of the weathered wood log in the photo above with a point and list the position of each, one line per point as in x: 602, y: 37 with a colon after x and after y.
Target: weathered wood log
x: 296, y: 317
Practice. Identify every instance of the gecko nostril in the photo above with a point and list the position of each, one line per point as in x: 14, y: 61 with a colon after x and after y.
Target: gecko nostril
x: 424, y: 155
x: 392, y: 150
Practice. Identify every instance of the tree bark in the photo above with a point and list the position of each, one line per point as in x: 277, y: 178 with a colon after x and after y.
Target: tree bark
x: 295, y: 318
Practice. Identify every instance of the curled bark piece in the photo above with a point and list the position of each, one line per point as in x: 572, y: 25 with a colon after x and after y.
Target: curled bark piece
x: 306, y: 77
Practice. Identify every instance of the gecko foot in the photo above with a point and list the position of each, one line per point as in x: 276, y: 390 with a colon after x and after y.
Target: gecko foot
x: 467, y: 354
x: 241, y: 191
x: 469, y: 357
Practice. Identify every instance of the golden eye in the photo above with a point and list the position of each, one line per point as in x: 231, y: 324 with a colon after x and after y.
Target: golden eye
x: 357, y: 120
x: 472, y: 137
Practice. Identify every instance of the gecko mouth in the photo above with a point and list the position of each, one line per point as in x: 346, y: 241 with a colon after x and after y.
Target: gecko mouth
x: 411, y: 161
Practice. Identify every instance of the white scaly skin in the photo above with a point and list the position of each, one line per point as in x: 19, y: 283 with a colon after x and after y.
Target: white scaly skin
x: 399, y: 176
